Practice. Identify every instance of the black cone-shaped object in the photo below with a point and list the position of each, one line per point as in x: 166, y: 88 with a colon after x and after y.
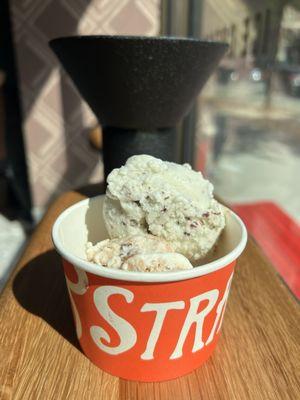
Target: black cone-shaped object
x: 138, y: 84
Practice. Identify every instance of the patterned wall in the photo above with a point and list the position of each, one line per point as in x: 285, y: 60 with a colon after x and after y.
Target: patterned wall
x: 55, y: 119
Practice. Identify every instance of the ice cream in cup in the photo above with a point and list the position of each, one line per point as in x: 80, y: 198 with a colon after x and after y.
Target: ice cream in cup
x: 146, y: 325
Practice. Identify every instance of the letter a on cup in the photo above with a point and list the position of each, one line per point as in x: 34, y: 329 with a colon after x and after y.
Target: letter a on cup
x: 220, y: 311
x: 124, y: 329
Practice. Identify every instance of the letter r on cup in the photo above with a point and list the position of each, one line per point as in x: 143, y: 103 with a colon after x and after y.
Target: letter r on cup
x: 193, y: 316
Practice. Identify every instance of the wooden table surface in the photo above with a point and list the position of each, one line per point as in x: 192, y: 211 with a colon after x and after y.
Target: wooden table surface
x: 257, y: 356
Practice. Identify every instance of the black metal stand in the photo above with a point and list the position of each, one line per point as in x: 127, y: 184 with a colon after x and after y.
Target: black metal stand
x: 138, y: 85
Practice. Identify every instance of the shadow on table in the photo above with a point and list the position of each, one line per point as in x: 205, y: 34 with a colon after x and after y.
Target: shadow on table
x: 40, y: 288
x: 40, y: 285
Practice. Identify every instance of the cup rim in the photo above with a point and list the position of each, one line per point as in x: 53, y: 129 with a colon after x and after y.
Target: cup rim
x: 134, y: 276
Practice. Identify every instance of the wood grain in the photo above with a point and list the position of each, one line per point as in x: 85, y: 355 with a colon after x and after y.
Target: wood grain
x: 257, y: 356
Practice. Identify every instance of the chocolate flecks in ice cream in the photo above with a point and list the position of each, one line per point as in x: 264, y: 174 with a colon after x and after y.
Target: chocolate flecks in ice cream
x: 144, y: 253
x: 167, y: 200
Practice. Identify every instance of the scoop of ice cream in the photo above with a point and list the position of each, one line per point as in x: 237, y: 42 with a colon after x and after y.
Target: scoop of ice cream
x: 144, y: 253
x: 157, y: 262
x: 167, y: 200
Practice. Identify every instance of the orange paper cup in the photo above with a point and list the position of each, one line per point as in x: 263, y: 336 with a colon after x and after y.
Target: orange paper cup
x: 144, y: 326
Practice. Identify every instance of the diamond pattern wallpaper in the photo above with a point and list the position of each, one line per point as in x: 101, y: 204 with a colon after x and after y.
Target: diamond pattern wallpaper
x: 55, y: 119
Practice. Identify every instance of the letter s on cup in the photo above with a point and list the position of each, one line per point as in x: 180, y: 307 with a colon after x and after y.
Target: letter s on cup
x: 125, y: 330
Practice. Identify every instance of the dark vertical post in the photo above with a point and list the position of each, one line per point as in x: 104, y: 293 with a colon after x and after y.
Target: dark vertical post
x: 190, y: 121
x: 184, y: 19
x: 15, y: 163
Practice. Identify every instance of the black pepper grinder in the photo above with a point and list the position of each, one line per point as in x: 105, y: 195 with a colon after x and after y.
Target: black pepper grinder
x: 138, y: 87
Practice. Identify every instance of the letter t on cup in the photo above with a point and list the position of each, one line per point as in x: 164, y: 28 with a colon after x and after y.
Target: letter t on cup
x: 161, y: 310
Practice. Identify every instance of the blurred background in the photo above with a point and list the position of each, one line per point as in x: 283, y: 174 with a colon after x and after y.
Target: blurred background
x: 243, y: 133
